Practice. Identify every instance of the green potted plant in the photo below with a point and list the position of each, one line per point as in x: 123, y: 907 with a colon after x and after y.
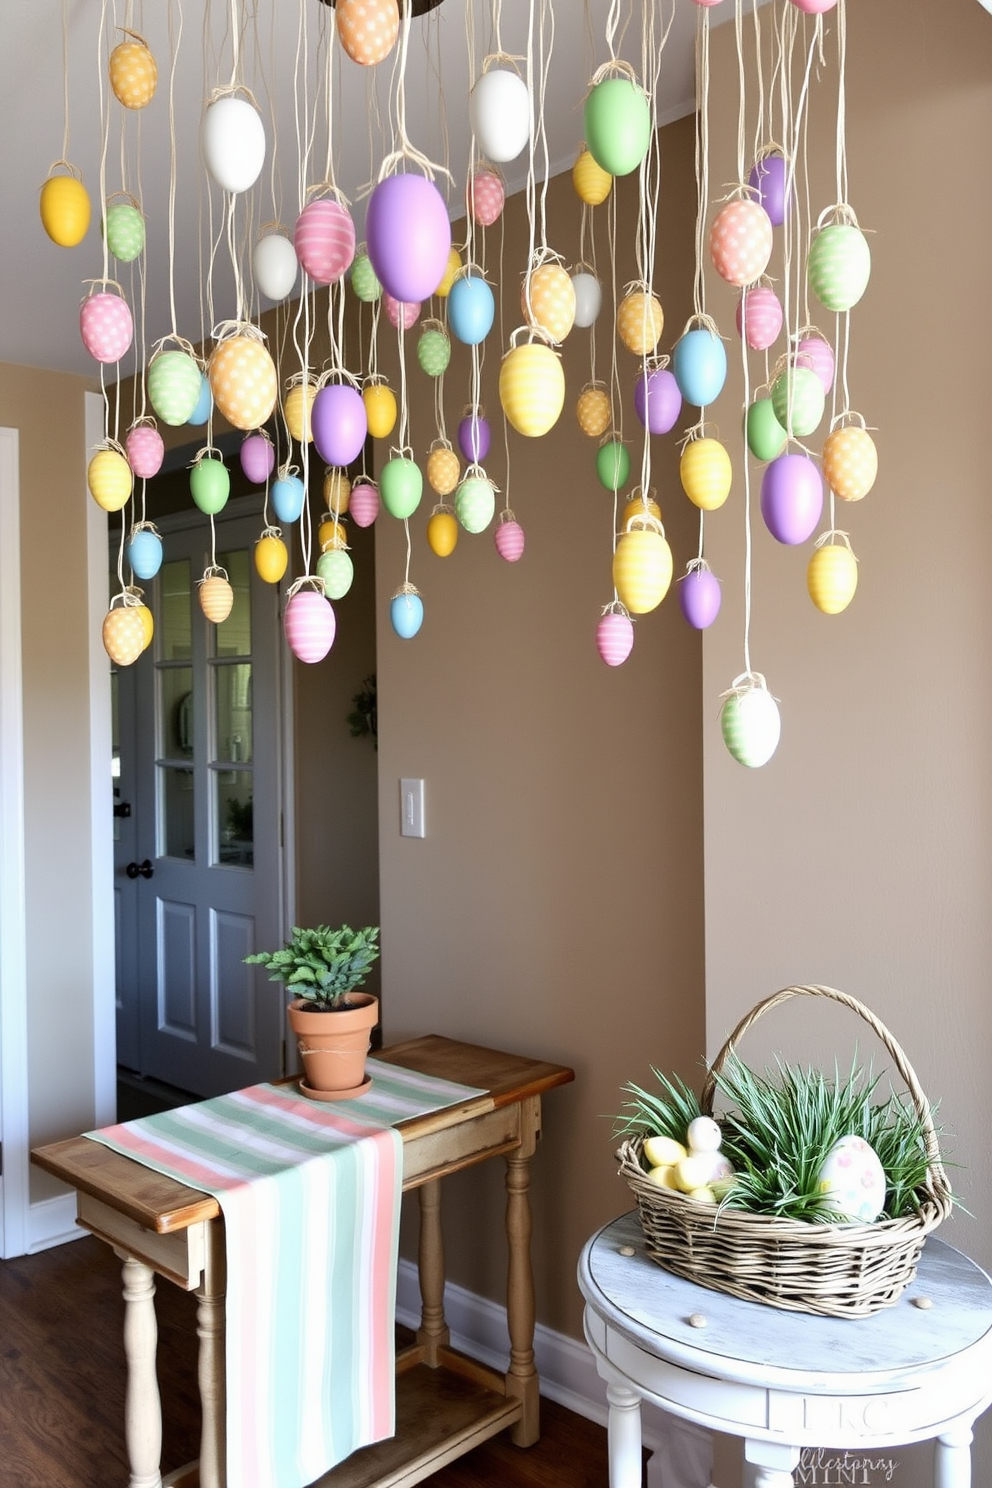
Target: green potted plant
x: 332, y: 1020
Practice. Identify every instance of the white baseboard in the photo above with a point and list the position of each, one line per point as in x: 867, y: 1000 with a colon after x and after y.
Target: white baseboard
x: 52, y: 1222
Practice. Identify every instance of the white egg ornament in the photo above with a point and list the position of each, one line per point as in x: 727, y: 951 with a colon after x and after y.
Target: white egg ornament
x: 233, y: 140
x: 704, y: 1135
x: 274, y: 265
x: 499, y: 112
x: 588, y: 297
x: 852, y: 1181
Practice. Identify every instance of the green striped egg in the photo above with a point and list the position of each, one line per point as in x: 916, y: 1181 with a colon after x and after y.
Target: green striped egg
x: 337, y: 571
x: 475, y: 503
x: 800, y: 388
x: 751, y: 726
x: 839, y: 266
x: 434, y: 352
x: 174, y: 383
x: 124, y: 228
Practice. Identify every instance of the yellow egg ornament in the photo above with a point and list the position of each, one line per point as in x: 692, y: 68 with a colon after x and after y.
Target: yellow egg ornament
x: 531, y: 387
x: 448, y: 277
x: 332, y: 534
x: 297, y: 406
x: 337, y: 491
x: 640, y: 321
x: 271, y: 556
x: 637, y: 506
x: 547, y: 299
x: 663, y: 1151
x: 123, y: 631
x: 593, y: 410
x: 109, y: 477
x: 832, y: 573
x: 592, y: 183
x: 642, y: 564
x: 706, y: 473
x: 65, y: 207
x: 147, y: 618
x: 133, y: 72
x: 442, y: 531
x: 380, y: 409
x: 444, y: 470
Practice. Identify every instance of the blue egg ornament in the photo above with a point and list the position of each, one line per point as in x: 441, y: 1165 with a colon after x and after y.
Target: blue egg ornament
x: 699, y: 364
x: 406, y: 613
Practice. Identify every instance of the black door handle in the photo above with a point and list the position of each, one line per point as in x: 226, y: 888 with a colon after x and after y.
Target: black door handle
x: 145, y: 869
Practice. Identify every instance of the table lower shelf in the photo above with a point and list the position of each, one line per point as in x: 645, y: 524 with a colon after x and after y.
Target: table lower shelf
x: 439, y: 1416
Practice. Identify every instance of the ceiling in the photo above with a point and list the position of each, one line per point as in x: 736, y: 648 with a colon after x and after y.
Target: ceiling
x: 42, y: 284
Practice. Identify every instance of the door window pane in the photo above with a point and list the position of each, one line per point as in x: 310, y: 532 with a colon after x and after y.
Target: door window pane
x: 232, y: 701
x: 233, y: 638
x: 175, y: 712
x: 233, y: 817
x: 175, y: 785
x: 175, y: 630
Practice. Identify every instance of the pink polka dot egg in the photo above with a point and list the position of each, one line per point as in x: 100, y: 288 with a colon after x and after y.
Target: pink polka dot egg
x: 741, y: 241
x: 106, y: 326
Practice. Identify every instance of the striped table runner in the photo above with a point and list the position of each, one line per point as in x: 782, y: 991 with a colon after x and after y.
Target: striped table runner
x: 310, y: 1194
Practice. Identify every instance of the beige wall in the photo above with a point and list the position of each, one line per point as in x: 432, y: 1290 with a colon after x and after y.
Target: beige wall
x: 555, y: 906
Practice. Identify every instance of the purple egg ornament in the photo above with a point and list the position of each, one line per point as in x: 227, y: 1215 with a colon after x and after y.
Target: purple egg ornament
x: 339, y: 423
x: 700, y: 597
x: 474, y: 436
x: 257, y: 458
x: 657, y: 400
x: 408, y: 236
x: 769, y: 178
x: 791, y: 498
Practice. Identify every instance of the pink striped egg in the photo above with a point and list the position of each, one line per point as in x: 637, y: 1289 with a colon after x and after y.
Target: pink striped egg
x: 145, y: 450
x: 759, y: 316
x: 614, y: 638
x: 363, y: 503
x: 324, y: 239
x: 106, y: 326
x: 309, y: 625
x: 817, y: 354
x: 400, y: 309
x: 509, y: 538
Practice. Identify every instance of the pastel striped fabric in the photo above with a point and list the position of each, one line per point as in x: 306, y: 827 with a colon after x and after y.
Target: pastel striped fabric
x: 310, y: 1195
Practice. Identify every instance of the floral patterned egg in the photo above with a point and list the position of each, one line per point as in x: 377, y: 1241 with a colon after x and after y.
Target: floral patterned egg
x: 509, y: 537
x: 133, y: 73
x: 367, y: 29
x: 485, y: 196
x: 852, y: 1181
x: 593, y: 410
x: 532, y: 388
x: 850, y: 463
x: 216, y: 597
x: 552, y: 300
x: 832, y: 577
x: 145, y: 449
x: 741, y: 241
x: 123, y: 634
x: 443, y: 470
x: 614, y: 637
x: 759, y: 316
x: 243, y: 381
x: 592, y: 183
x: 640, y: 322
x: 106, y: 326
x: 324, y: 239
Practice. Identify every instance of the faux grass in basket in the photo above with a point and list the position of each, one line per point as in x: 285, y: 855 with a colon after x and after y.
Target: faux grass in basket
x: 834, y: 1269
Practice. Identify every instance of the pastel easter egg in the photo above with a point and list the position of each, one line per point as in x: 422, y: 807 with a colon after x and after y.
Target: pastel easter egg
x: 324, y: 240
x: 593, y: 411
x: 614, y: 637
x: 699, y: 363
x: 400, y: 312
x: 588, y: 298
x: 401, y: 486
x: 406, y: 615
x: 451, y: 269
x: 408, y: 235
x: 818, y: 354
x: 337, y: 570
x: 216, y: 598
x: 547, y: 299
x: 133, y: 73
x: 233, y: 140
x: 752, y: 726
x: 657, y: 400
x: 475, y: 503
x: 204, y: 405
x: 510, y: 540
x: 499, y: 113
x: 791, y: 498
x: 363, y: 281
x: 759, y: 316
x: 613, y: 464
x: 380, y: 409
x: 637, y: 506
x: 706, y: 473
x: 531, y: 388
x: 474, y: 436
x: 700, y: 598
x: 367, y: 29
x: 433, y: 352
x: 852, y: 1181
x: 65, y: 210
x: 174, y: 383
x: 271, y: 558
x: 144, y: 552
x: 124, y: 229
x: 765, y: 436
x: 243, y: 381
x: 337, y: 491
x: 485, y: 195
x: 340, y: 423
x: 814, y: 7
x: 106, y: 326
x: 309, y: 625
x: 642, y: 568
x: 838, y: 266
x: 832, y: 577
x: 769, y: 178
x: 297, y: 407
x: 471, y: 309
x: 850, y: 462
x: 442, y: 531
x: 145, y: 450
x: 617, y: 124
x: 110, y: 479
x: 592, y: 183
x: 257, y: 458
x: 210, y: 484
x: 798, y: 400
x: 147, y: 622
x: 363, y: 504
x: 123, y: 635
x: 287, y: 495
x: 741, y: 241
x: 640, y: 322
x: 443, y: 470
x: 332, y: 534
x: 274, y: 265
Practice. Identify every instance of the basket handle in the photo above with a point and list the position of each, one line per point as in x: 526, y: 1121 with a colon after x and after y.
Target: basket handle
x: 936, y: 1177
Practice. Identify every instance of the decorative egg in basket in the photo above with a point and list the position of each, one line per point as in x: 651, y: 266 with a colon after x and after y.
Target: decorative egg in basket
x: 852, y: 1180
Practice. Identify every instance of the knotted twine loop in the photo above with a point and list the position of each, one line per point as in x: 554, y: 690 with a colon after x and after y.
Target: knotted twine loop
x: 73, y: 170
x: 506, y: 515
x: 181, y: 343
x: 297, y: 379
x: 110, y: 444
x: 129, y: 597
x: 213, y: 571
x: 402, y: 452
x: 406, y: 589
x: 433, y: 325
x: 644, y: 521
x: 144, y: 526
x: 617, y: 607
x: 841, y: 214
x: 698, y: 431
x: 473, y: 411
x: 326, y: 188
x: 270, y: 532
x: 474, y: 471
x: 703, y: 322
x: 615, y: 67
x: 438, y: 444
x: 442, y: 510
x: 500, y: 57
x: 534, y: 333
x: 744, y: 683
x: 272, y: 228
x: 695, y: 565
x: 595, y: 386
x: 738, y: 191
x: 124, y: 196
x: 313, y: 580
x: 228, y: 330
x: 771, y: 147
x: 208, y: 452
x: 136, y: 35
x: 338, y: 374
x: 838, y: 421
x: 227, y: 90
x: 828, y: 538
x: 656, y: 363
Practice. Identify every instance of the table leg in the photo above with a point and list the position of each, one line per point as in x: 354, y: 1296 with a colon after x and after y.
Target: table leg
x: 624, y: 1430
x: 211, y: 1361
x: 952, y: 1458
x: 774, y: 1463
x: 142, y: 1403
x: 521, y: 1379
x: 433, y: 1332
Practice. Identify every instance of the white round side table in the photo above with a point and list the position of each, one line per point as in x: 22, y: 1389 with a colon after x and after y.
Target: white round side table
x: 787, y: 1381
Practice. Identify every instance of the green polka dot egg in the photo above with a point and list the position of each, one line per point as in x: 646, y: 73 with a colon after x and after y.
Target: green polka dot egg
x: 839, y: 266
x: 124, y: 228
x: 475, y: 503
x: 433, y: 351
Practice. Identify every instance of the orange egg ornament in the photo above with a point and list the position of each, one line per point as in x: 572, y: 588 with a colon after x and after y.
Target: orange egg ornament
x: 443, y: 469
x: 367, y: 29
x: 593, y: 410
x: 243, y: 379
x: 552, y: 300
x: 216, y: 596
x: 123, y: 634
x: 640, y: 322
x: 850, y: 462
x: 133, y: 72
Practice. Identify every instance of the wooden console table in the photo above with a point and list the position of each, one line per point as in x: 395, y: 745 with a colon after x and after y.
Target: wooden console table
x: 446, y: 1403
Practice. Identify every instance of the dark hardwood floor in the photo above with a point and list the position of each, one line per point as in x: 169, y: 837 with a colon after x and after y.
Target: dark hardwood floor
x: 62, y: 1388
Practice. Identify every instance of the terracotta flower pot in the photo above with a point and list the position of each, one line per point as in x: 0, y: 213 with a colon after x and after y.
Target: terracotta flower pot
x: 333, y: 1045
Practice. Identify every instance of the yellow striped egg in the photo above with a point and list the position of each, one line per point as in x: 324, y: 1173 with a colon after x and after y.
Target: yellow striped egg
x: 243, y: 381
x: 552, y: 300
x: 593, y: 411
x: 638, y: 507
x: 123, y: 635
x: 443, y: 470
x: 591, y: 181
x: 850, y: 462
x: 297, y: 407
x: 216, y: 598
x: 110, y: 479
x: 640, y: 322
x: 532, y: 388
x: 337, y: 491
x: 832, y: 577
x: 706, y: 473
x: 642, y: 565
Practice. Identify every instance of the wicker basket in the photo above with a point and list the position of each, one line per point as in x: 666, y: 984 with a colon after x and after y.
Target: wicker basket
x: 836, y: 1270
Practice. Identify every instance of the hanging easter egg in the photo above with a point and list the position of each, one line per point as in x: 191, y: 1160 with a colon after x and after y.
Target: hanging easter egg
x: 337, y: 571
x: 552, y: 300
x: 337, y: 492
x: 363, y: 503
x: 297, y: 408
x: 257, y: 458
x: 274, y: 265
x: 614, y: 637
x: 380, y: 409
x: 471, y: 309
x: 406, y: 612
x: 791, y: 498
x: 452, y: 267
x: 110, y: 479
x: 485, y: 195
x: 700, y: 597
x: 838, y: 266
x: 816, y: 353
x: 147, y: 623
x: 657, y: 400
x: 765, y: 436
x: 133, y: 72
x: 204, y: 405
x: 442, y: 531
x: 106, y: 326
x: 408, y: 235
x: 588, y: 298
x: 324, y: 240
x: 145, y: 450
x: 642, y: 565
x: 400, y: 312
x: 832, y: 576
x: 232, y: 137
x: 65, y: 210
x: 433, y: 351
x: 759, y: 316
x: 308, y: 623
x: 640, y: 322
x: 474, y: 436
x: 144, y: 552
x: 532, y: 388
x: 509, y: 537
x: 339, y: 423
x: 216, y: 597
x: 124, y: 230
x: 243, y: 380
x: 367, y: 29
x: 499, y: 113
x: 699, y: 363
x: 123, y: 635
x: 617, y: 124
x: 401, y: 486
x: 769, y: 177
x: 287, y: 495
x: 637, y: 506
x: 271, y: 558
x: 798, y: 400
x: 593, y: 410
x: 613, y: 464
x: 210, y: 484
x: 475, y: 503
x: 851, y: 1182
x: 706, y: 473
x: 741, y: 241
x: 814, y: 7
x: 850, y: 462
x: 443, y: 469
x: 332, y: 534
x: 174, y: 382
x: 363, y: 281
x: 751, y: 725
x: 592, y: 183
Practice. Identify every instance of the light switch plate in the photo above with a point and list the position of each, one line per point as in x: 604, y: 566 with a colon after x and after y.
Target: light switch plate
x: 412, y: 808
